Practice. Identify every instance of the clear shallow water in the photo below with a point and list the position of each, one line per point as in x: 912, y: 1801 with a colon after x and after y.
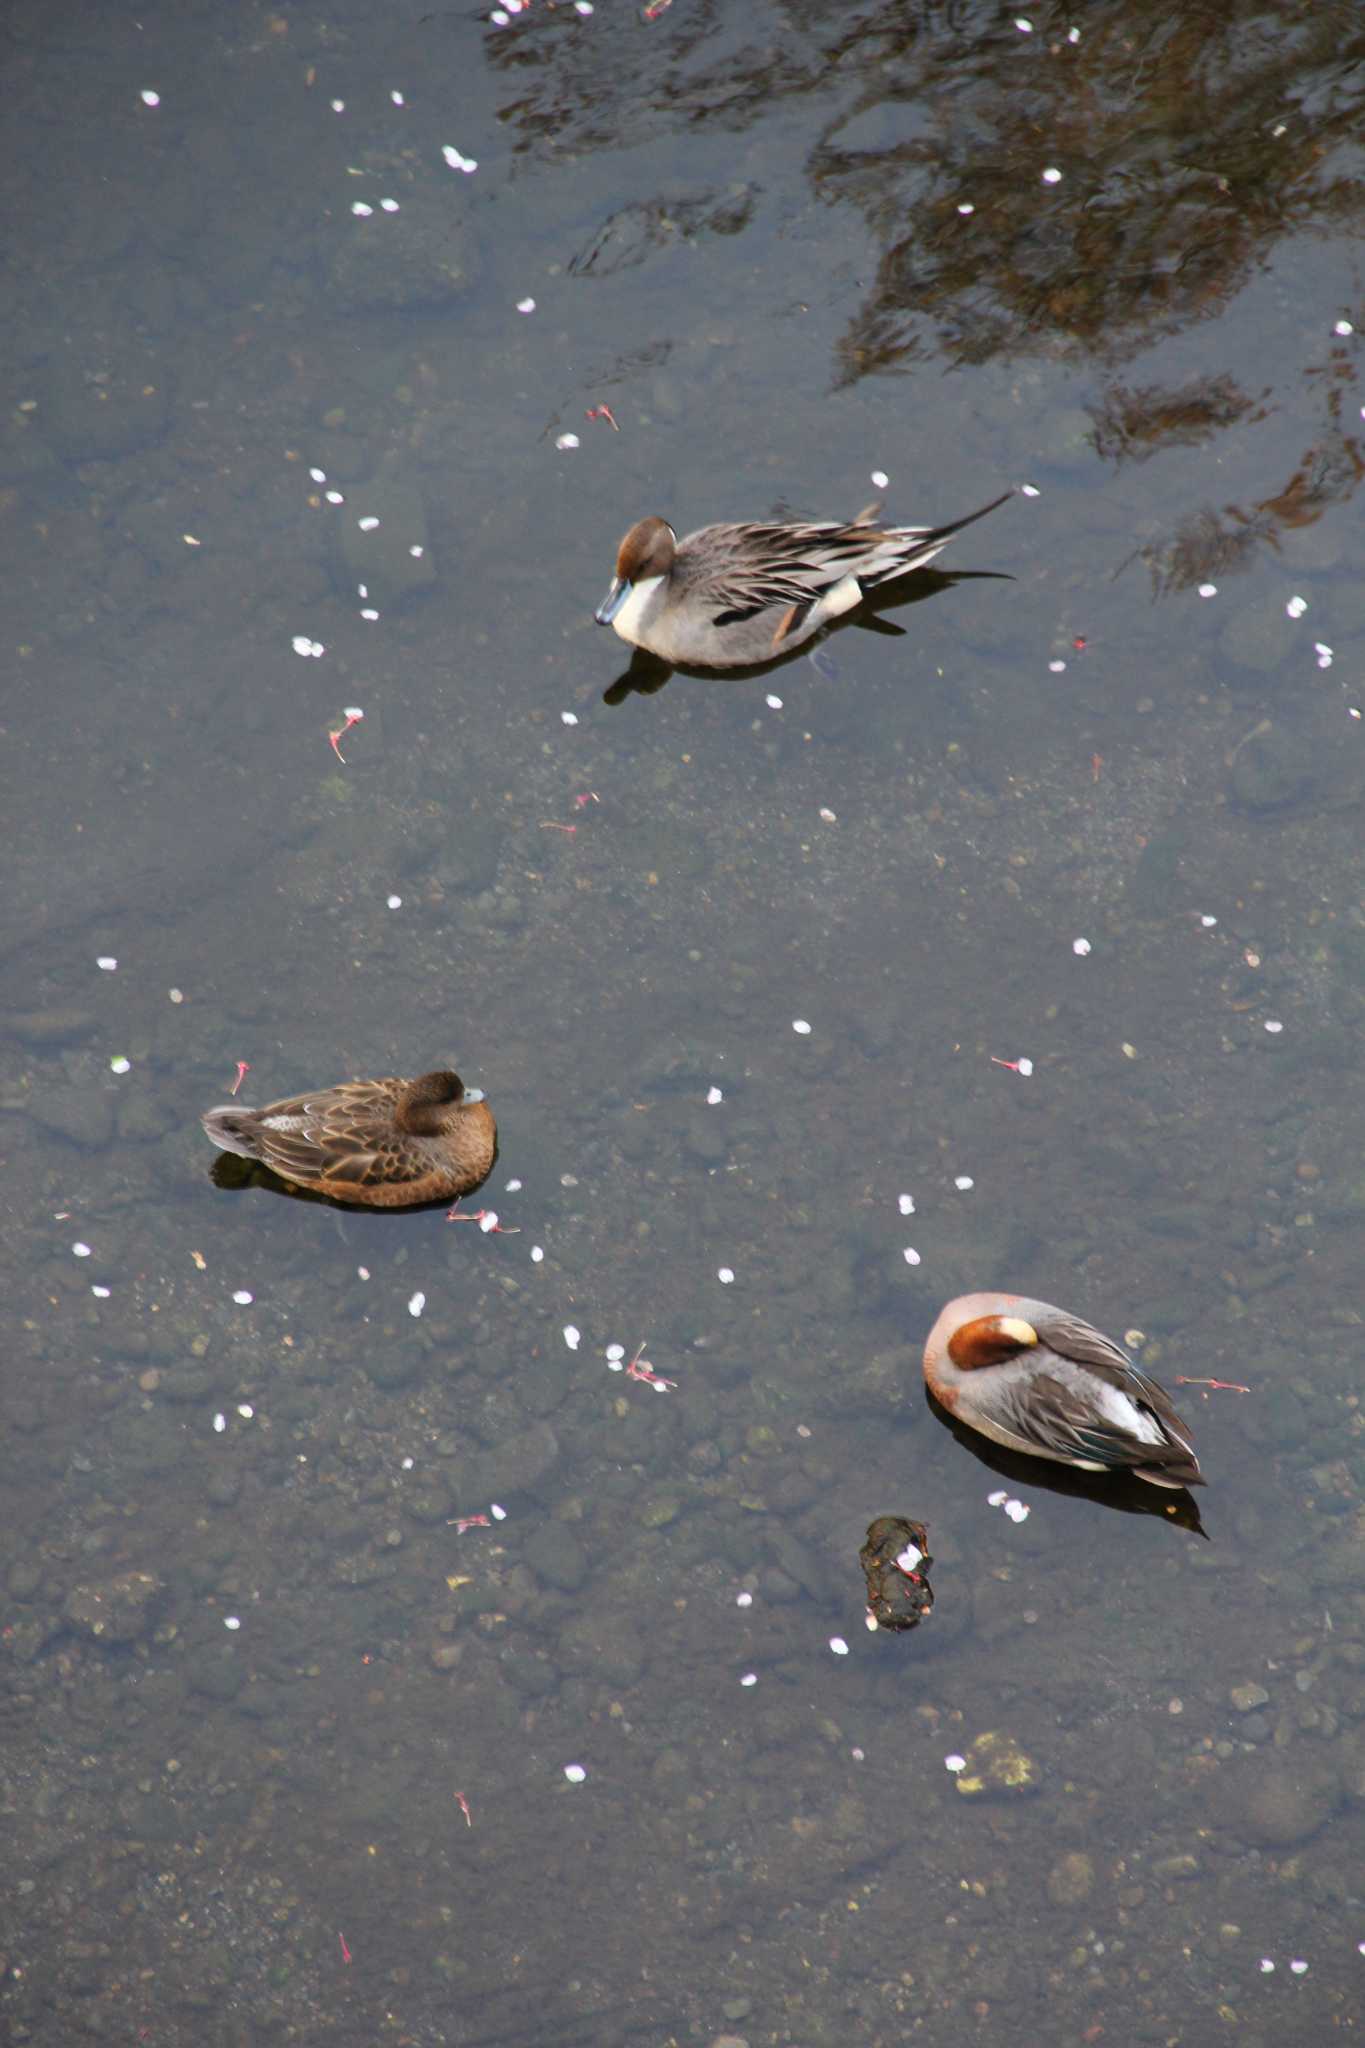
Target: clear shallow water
x: 742, y: 232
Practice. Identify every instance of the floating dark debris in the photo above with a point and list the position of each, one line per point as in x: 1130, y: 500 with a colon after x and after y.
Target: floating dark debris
x: 895, y: 1560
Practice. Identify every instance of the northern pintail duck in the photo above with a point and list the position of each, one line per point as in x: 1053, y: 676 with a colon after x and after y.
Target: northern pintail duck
x: 736, y: 596
x: 385, y: 1144
x: 1038, y: 1379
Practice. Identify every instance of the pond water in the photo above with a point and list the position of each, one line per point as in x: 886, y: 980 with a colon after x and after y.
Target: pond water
x: 382, y: 1660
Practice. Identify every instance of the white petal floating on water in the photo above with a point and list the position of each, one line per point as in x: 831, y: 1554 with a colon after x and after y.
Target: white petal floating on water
x: 572, y: 1336
x: 906, y: 1204
x: 568, y: 718
x: 744, y: 1599
x: 880, y: 479
x: 615, y: 1353
x: 232, y: 1621
x: 245, y: 1410
x: 100, y: 1293
x: 910, y: 1255
x: 1273, y: 1026
x: 1342, y: 327
x: 319, y: 476
x: 394, y: 902
x: 800, y: 1027
x: 1030, y: 490
x: 119, y: 1064
x: 416, y: 1304
x: 964, y: 1181
x: 527, y: 305
x: 964, y: 206
x: 575, y: 1773
x: 566, y: 441
x: 1016, y: 1510
x: 149, y: 98
x: 1208, y: 590
x: 1080, y: 947
x: 359, y: 207
x: 954, y: 1763
x: 219, y: 1424
x: 537, y: 1254
x: 1208, y: 922
x: 749, y: 1678
x: 82, y: 1251
x: 997, y: 1499
x: 725, y: 1275
x: 910, y: 1558
x: 713, y: 1096
x: 106, y: 963
x: 488, y: 1221
x: 244, y: 1297
x: 338, y: 106
x: 1297, y: 606
x: 839, y: 1646
x: 1052, y: 176
x: 773, y: 702
x: 389, y: 205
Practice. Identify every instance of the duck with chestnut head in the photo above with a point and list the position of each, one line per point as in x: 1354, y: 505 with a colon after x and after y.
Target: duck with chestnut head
x: 1041, y: 1380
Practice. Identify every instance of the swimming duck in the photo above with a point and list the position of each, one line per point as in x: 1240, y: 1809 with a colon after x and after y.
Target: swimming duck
x: 381, y: 1143
x: 735, y: 596
x: 1038, y: 1379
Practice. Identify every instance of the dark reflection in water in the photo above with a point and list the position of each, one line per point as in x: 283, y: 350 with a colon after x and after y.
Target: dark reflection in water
x: 385, y: 1653
x: 1121, y: 1492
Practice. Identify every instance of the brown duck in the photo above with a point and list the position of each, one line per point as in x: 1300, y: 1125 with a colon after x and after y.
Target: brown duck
x: 384, y: 1144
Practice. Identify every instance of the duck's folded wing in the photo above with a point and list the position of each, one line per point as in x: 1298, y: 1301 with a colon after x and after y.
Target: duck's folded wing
x: 771, y: 568
x: 1074, y: 1338
x: 1058, y: 1420
x: 313, y: 1139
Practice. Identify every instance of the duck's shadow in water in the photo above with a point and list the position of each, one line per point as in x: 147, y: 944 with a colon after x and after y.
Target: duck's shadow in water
x: 647, y: 674
x: 1120, y: 1491
x: 232, y: 1175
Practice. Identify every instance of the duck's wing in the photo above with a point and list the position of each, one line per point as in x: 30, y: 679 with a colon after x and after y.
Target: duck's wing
x: 1047, y: 1414
x: 345, y: 1133
x: 761, y: 568
x: 1076, y: 1339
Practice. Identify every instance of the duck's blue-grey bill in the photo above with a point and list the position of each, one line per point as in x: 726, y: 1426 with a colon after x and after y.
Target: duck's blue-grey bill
x: 612, y: 602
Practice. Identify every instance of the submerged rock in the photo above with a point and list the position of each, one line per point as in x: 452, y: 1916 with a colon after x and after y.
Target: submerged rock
x: 998, y: 1768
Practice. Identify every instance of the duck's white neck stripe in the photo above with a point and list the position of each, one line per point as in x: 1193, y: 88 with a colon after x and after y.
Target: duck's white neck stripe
x: 629, y: 621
